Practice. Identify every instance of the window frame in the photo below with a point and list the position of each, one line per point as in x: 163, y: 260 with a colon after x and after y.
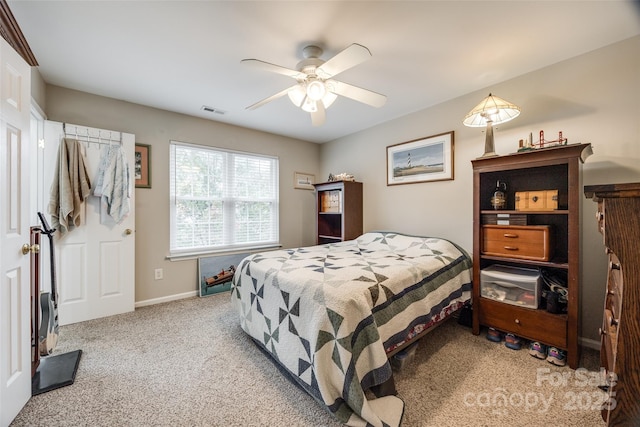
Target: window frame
x: 230, y: 246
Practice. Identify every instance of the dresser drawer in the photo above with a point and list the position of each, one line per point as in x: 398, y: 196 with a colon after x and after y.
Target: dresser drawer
x: 613, y: 299
x: 536, y: 325
x: 609, y: 332
x: 526, y: 242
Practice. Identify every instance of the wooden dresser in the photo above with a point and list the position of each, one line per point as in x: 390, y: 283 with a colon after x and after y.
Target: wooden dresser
x: 618, y: 217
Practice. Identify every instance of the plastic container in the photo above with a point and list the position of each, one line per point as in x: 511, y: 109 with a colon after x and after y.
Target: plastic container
x: 511, y: 285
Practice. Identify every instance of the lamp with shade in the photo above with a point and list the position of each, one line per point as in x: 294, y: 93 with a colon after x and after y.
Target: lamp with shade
x: 491, y: 111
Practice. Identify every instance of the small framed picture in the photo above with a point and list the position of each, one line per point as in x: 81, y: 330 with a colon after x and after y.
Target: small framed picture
x: 142, y: 171
x: 303, y: 181
x: 216, y: 272
x: 421, y: 160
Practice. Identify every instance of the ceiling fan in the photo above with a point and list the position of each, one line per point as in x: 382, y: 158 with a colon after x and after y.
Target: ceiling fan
x: 316, y: 89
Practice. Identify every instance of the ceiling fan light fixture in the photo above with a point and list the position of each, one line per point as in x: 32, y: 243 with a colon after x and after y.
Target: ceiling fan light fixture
x: 297, y: 95
x: 309, y: 105
x: 316, y: 90
x: 328, y: 99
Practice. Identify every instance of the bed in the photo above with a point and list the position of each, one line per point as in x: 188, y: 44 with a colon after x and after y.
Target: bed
x: 330, y: 315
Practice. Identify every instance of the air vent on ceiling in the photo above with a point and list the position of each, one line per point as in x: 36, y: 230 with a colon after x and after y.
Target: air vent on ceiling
x: 212, y: 110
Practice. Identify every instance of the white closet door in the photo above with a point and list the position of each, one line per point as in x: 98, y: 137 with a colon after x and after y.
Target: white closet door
x: 96, y: 261
x: 15, y: 313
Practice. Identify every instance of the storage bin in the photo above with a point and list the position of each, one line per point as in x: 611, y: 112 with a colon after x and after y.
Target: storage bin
x: 511, y: 285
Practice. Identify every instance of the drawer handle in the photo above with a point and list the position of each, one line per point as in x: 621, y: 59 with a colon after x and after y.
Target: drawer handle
x: 602, y: 331
x: 517, y: 321
x: 599, y: 215
x: 614, y: 266
x: 510, y: 235
x: 511, y: 248
x: 614, y: 321
x: 611, y: 292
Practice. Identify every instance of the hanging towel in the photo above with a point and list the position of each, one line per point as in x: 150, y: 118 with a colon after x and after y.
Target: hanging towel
x: 112, y: 182
x: 70, y: 187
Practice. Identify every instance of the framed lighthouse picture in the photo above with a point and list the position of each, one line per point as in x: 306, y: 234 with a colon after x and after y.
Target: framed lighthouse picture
x: 421, y: 160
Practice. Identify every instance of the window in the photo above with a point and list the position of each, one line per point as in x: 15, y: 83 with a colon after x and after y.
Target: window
x: 221, y: 199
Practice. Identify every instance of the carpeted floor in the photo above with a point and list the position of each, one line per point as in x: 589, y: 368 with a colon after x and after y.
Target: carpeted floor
x: 188, y: 363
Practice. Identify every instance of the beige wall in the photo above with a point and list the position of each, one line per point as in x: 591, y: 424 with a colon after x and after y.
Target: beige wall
x: 592, y: 98
x: 157, y: 128
x: 38, y: 87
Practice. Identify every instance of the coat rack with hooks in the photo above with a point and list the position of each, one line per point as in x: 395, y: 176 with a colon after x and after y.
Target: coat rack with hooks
x: 91, y: 135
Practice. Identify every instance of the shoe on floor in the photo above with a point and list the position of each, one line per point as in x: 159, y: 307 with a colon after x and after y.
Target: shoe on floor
x: 538, y: 350
x: 494, y: 335
x: 513, y: 342
x: 556, y: 356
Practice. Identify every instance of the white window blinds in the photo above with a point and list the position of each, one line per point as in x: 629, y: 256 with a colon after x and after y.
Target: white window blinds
x: 221, y: 199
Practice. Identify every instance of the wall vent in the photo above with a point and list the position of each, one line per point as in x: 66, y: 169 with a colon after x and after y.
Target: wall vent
x: 212, y: 110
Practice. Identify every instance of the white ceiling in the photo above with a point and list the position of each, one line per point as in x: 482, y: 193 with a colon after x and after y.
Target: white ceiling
x: 181, y: 55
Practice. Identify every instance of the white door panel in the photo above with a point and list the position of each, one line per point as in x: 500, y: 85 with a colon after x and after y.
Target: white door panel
x: 15, y: 310
x: 95, y: 261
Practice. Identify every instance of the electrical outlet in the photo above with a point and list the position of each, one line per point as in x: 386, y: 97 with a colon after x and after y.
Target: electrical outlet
x: 158, y: 273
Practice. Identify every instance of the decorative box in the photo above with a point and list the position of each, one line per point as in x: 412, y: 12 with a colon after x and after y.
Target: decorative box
x: 543, y: 200
x: 532, y: 242
x: 511, y: 285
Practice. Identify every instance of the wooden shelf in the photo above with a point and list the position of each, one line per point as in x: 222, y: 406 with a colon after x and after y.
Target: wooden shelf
x: 514, y: 212
x: 549, y: 169
x: 339, y: 211
x: 564, y: 265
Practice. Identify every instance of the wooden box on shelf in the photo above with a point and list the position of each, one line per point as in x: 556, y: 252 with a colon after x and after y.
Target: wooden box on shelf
x: 339, y: 211
x: 542, y: 200
x: 557, y: 168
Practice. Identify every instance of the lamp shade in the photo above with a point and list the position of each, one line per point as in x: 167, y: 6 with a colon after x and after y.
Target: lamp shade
x: 297, y: 95
x: 491, y: 109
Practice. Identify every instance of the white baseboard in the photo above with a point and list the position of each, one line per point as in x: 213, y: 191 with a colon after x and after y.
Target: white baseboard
x: 169, y: 298
x: 589, y: 343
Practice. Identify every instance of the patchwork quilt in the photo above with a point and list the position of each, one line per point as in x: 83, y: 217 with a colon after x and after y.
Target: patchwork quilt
x: 328, y: 313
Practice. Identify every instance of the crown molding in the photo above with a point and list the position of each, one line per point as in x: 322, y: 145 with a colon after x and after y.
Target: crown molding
x: 10, y: 31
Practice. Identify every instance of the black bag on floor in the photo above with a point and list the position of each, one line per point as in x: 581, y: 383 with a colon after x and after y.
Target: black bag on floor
x: 466, y: 315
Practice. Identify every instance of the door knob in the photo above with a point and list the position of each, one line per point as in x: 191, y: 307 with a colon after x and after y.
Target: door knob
x: 128, y: 231
x: 26, y: 248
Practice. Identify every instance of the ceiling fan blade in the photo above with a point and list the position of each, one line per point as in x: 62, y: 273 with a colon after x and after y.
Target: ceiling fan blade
x: 318, y: 116
x: 256, y: 63
x: 356, y: 93
x: 271, y: 98
x: 343, y: 60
